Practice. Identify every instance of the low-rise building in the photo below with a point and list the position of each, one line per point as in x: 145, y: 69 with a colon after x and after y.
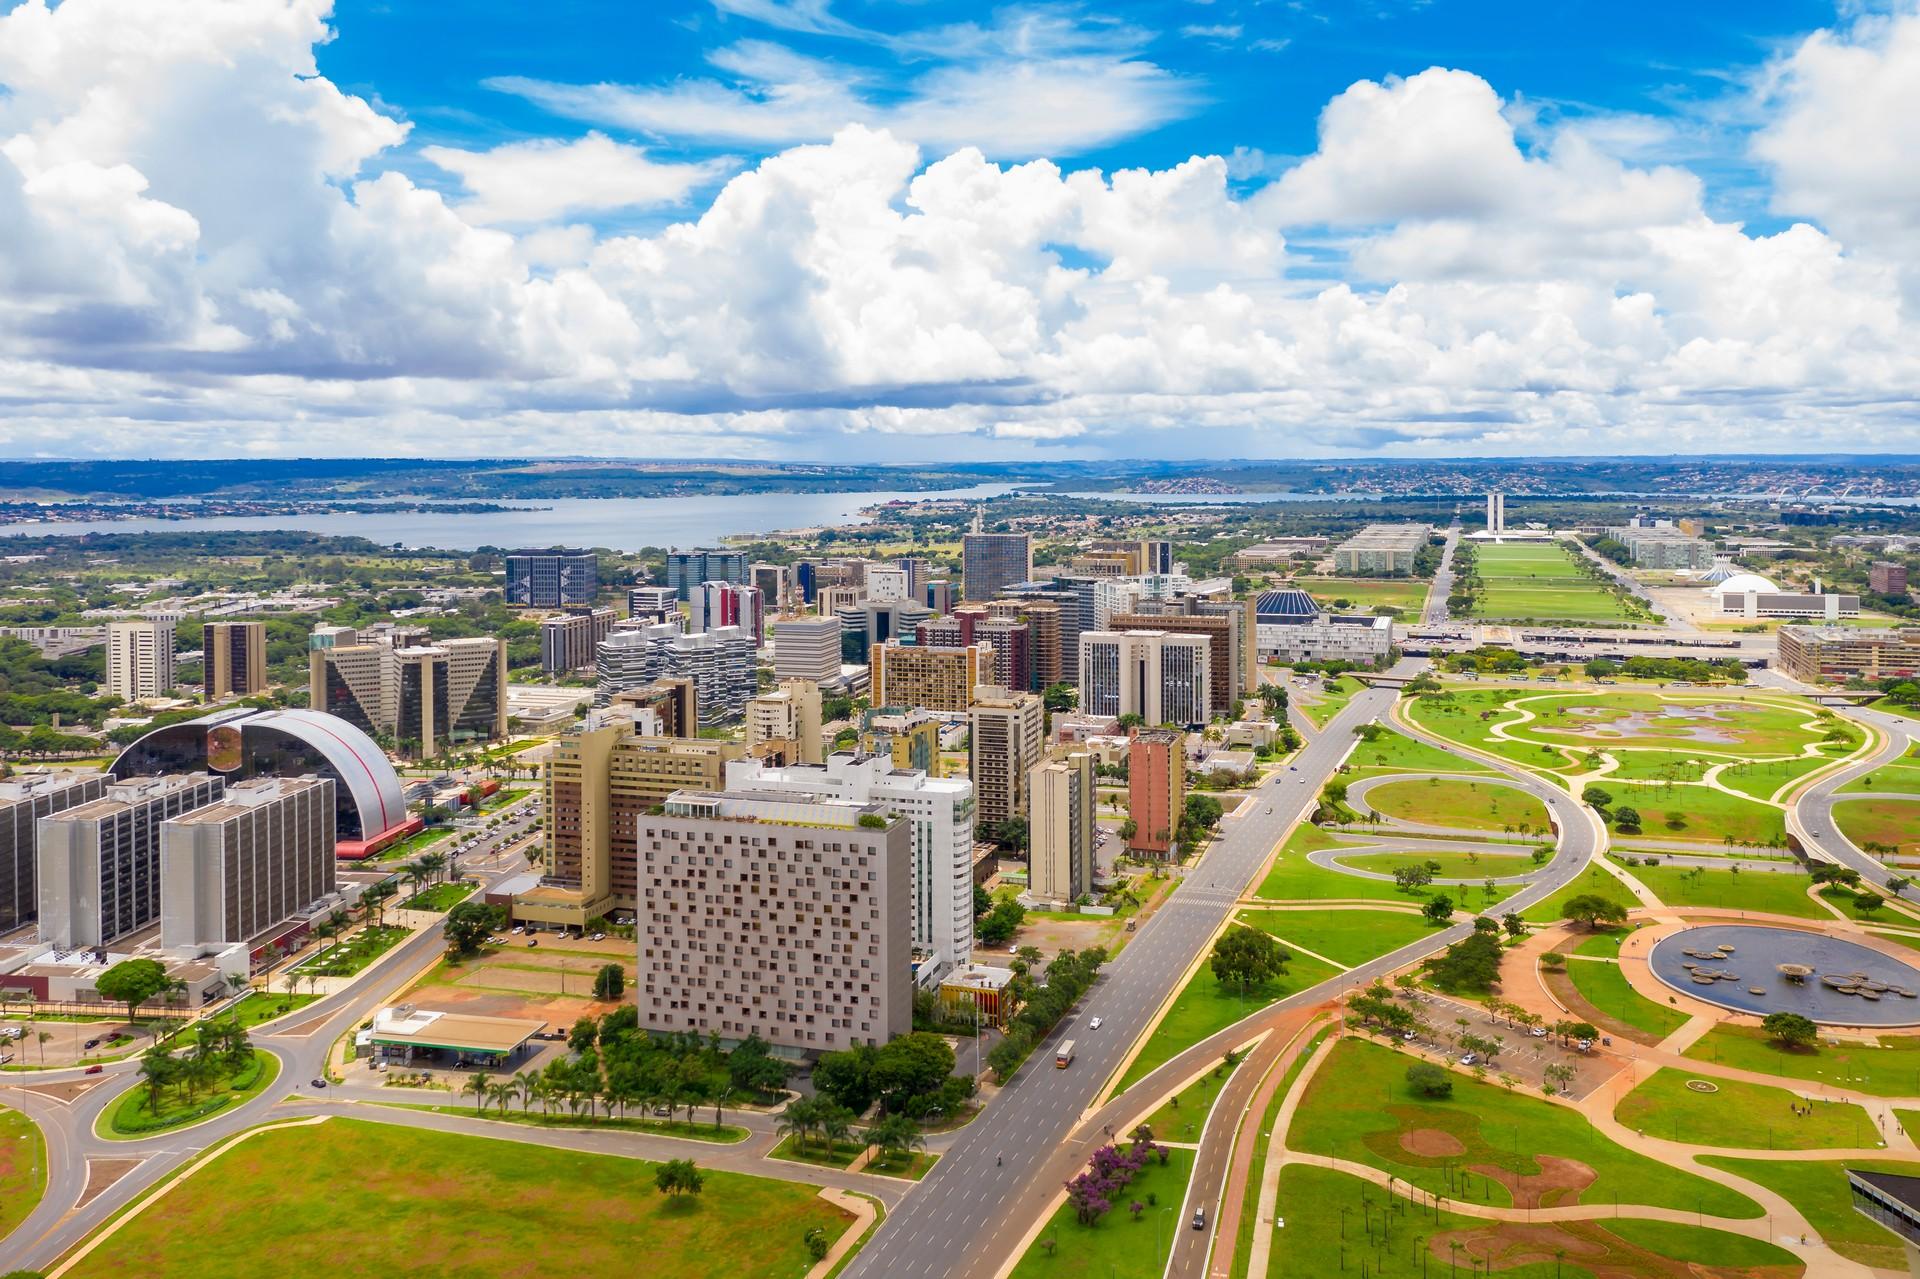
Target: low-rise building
x: 1291, y: 627
x: 1380, y: 550
x: 1835, y: 654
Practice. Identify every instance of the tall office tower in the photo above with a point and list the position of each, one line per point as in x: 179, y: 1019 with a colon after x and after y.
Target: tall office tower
x: 939, y: 596
x: 140, y: 658
x: 235, y: 657
x: 720, y: 662
x: 1060, y: 861
x: 773, y: 583
x: 941, y: 810
x: 1163, y: 678
x: 1225, y: 636
x: 781, y: 916
x: 1496, y: 512
x: 687, y: 569
x: 888, y: 584
x: 1009, y: 734
x: 1887, y: 578
x: 803, y: 580
x: 258, y: 856
x: 934, y: 679
x: 652, y: 603
x: 332, y: 637
x: 552, y: 578
x: 1072, y: 602
x: 99, y: 862
x: 871, y: 623
x: 24, y: 800
x: 791, y: 714
x: 991, y: 562
x: 567, y: 640
x: 1012, y: 651
x: 717, y: 604
x: 1156, y: 790
x: 919, y: 573
x: 807, y: 648
x: 425, y: 696
x: 954, y: 630
x: 1156, y: 555
x: 598, y: 784
x: 1043, y: 644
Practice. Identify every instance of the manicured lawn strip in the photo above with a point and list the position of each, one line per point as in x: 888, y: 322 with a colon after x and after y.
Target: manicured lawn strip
x: 131, y: 1120
x: 1699, y: 814
x: 1741, y: 1116
x: 1654, y: 766
x: 1463, y: 804
x: 1295, y: 879
x: 1777, y: 892
x: 1349, y: 937
x: 466, y: 1206
x: 1881, y: 821
x: 1596, y: 882
x: 1818, y: 1188
x: 1331, y: 702
x: 724, y: 1135
x: 1204, y: 1007
x: 1363, y: 594
x: 818, y: 1153
x: 256, y: 1009
x: 1542, y: 584
x: 1760, y: 729
x: 1455, y: 715
x: 441, y: 896
x: 1682, y: 1242
x: 1250, y: 1205
x: 1392, y: 752
x: 23, y: 1168
x: 1117, y: 1246
x: 1474, y: 866
x: 914, y: 1167
x: 1762, y: 780
x: 1180, y: 1116
x: 1890, y: 1069
x: 1359, y: 1104
x: 1902, y: 777
x: 1606, y: 945
x: 1606, y: 988
x: 413, y: 845
x: 354, y: 954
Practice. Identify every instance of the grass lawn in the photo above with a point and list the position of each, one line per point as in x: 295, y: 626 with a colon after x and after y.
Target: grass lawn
x: 1363, y: 594
x: 1777, y: 892
x: 1349, y: 937
x: 1692, y: 725
x: 1890, y: 1068
x: 1457, y: 715
x: 1881, y: 821
x: 1204, y: 1007
x: 1541, y: 584
x: 1741, y: 1115
x: 1116, y: 1246
x: 1762, y: 780
x: 723, y: 1135
x: 1293, y: 878
x: 1460, y: 803
x: 1474, y: 866
x: 1902, y: 777
x: 1415, y: 1245
x: 252, y: 1011
x: 1605, y: 987
x: 1392, y: 752
x: 23, y: 1168
x: 1819, y: 1190
x: 1359, y: 1106
x: 1596, y: 882
x: 818, y: 1153
x: 1331, y: 702
x: 1605, y: 945
x: 131, y: 1119
x: 1655, y: 766
x: 1698, y: 814
x: 350, y: 956
x: 1180, y: 1116
x: 440, y: 897
x: 465, y: 1206
x: 413, y: 845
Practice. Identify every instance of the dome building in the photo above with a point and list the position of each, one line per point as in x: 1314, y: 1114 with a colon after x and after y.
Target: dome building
x: 1290, y: 626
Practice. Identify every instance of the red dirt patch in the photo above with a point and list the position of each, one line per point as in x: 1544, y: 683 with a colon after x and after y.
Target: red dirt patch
x: 102, y: 1173
x: 1431, y: 1143
x: 1558, y: 1181
x: 1588, y: 1245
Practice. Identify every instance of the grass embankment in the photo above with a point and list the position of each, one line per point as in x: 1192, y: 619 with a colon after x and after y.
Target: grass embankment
x: 1775, y: 892
x: 1393, y: 752
x: 1819, y: 1190
x: 1460, y: 804
x: 1474, y: 866
x: 465, y: 1206
x: 1205, y: 1007
x: 1347, y: 937
x: 1878, y: 820
x: 1697, y: 815
x: 1331, y: 699
x: 1890, y: 1068
x: 1293, y: 878
x: 719, y: 1135
x: 1741, y: 1116
x: 1467, y: 717
x: 355, y: 953
x: 1118, y: 1246
x: 23, y: 1168
x: 440, y: 897
x: 1360, y: 1107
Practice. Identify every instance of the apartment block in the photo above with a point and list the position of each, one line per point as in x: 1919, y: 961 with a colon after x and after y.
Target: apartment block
x: 867, y: 624
x: 807, y: 648
x: 935, y: 679
x: 991, y: 562
x: 652, y: 603
x: 688, y: 569
x: 24, y: 800
x: 1380, y: 550
x: 781, y: 916
x: 941, y: 811
x: 568, y: 640
x: 1060, y: 848
x: 789, y: 714
x: 909, y: 737
x: 99, y: 862
x: 1009, y: 734
x: 140, y: 658
x: 1044, y: 654
x: 1662, y: 546
x: 235, y: 657
x: 717, y: 604
x: 1835, y: 654
x: 236, y: 868
x: 553, y: 578
x: 720, y: 662
x: 1162, y: 677
x: 1887, y: 578
x: 1156, y: 791
x: 940, y: 596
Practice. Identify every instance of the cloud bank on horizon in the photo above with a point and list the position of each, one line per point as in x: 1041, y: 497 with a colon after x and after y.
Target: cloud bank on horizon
x: 207, y: 247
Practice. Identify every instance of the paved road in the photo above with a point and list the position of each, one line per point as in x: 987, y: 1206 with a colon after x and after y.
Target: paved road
x: 1811, y: 817
x: 1435, y: 613
x: 1672, y: 620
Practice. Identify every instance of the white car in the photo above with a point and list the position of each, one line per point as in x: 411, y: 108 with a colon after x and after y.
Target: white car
x: 1469, y: 1059
x: 1093, y: 1024
x: 1538, y: 1032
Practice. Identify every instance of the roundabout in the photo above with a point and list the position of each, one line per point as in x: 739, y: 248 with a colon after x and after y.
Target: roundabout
x: 1755, y: 969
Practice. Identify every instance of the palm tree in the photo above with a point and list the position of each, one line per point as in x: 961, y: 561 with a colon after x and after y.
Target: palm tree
x: 526, y: 1084
x: 836, y: 1125
x: 798, y: 1121
x: 42, y: 1037
x: 502, y: 1093
x: 480, y: 1087
x: 898, y: 1136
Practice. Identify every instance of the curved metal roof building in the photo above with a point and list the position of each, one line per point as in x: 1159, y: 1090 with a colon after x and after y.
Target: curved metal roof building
x: 244, y: 742
x: 1289, y: 605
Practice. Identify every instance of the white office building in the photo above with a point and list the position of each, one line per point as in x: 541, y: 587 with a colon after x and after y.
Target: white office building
x: 807, y: 648
x: 1163, y: 678
x: 140, y: 658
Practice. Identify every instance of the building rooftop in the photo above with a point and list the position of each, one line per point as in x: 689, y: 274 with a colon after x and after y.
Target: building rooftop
x: 411, y: 1027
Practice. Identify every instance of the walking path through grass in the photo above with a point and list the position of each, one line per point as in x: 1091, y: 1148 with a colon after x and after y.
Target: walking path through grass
x: 1888, y: 1068
x: 1740, y: 1115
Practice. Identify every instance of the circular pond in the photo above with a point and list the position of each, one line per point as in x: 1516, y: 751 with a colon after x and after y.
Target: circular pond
x: 1737, y: 966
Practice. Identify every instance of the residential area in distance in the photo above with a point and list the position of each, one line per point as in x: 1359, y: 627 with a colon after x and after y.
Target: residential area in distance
x: 978, y: 884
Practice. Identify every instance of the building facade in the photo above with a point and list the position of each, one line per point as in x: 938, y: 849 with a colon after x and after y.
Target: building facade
x: 99, y: 862
x: 140, y: 658
x: 1380, y: 550
x: 1156, y: 792
x: 1887, y: 578
x: 652, y: 603
x: 553, y: 578
x: 1835, y: 654
x: 235, y: 658
x: 568, y: 640
x: 236, y: 868
x: 1161, y: 677
x: 807, y: 648
x: 687, y: 569
x: 1662, y: 547
x: 720, y: 662
x: 426, y: 697
x: 717, y: 604
x: 1060, y: 856
x: 789, y: 714
x: 782, y: 916
x: 24, y: 800
x: 991, y: 562
x: 1008, y: 734
x: 935, y: 679
x: 1291, y: 627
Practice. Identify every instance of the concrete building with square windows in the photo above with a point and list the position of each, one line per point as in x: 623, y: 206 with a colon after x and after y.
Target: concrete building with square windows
x: 235, y: 869
x: 931, y: 678
x: 1380, y: 550
x: 567, y: 640
x: 785, y: 916
x: 99, y: 863
x: 991, y: 562
x: 24, y: 800
x: 235, y: 657
x: 140, y: 658
x: 1008, y: 734
x: 1060, y: 849
x: 1161, y: 677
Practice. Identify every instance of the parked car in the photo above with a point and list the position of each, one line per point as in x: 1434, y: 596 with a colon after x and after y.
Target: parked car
x: 1538, y: 1032
x: 1469, y: 1059
x: 1585, y: 1045
x: 92, y: 1044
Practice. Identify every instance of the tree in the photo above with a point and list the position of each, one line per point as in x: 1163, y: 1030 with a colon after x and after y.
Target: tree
x: 468, y: 925
x: 1409, y: 877
x: 1470, y: 964
x: 1868, y: 903
x: 610, y: 982
x: 1248, y: 957
x: 1589, y: 910
x: 1597, y: 797
x: 1429, y: 1079
x: 1790, y: 1030
x: 583, y: 1036
x: 133, y: 982
x: 678, y: 1176
x: 480, y: 1087
x: 1627, y: 819
x: 1438, y: 910
x: 897, y: 1136
x: 1899, y: 884
x: 1011, y: 833
x: 1515, y: 926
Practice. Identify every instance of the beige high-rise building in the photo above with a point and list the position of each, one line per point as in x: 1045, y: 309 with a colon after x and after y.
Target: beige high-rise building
x: 140, y: 658
x: 99, y: 862
x: 789, y: 714
x: 598, y: 784
x: 424, y: 696
x: 1060, y: 854
x: 782, y: 915
x: 235, y: 657
x: 1008, y: 732
x: 927, y: 677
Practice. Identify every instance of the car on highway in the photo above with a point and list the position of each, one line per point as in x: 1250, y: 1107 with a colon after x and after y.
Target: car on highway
x: 318, y: 1082
x: 1093, y: 1024
x: 1200, y: 1219
x: 94, y: 1069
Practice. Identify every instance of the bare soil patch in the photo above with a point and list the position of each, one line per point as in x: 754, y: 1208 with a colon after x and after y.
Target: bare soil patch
x: 1431, y: 1143
x: 1558, y: 1181
x: 102, y: 1173
x: 1502, y: 1246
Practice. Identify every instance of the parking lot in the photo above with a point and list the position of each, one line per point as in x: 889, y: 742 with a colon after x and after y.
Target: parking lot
x: 1523, y: 1056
